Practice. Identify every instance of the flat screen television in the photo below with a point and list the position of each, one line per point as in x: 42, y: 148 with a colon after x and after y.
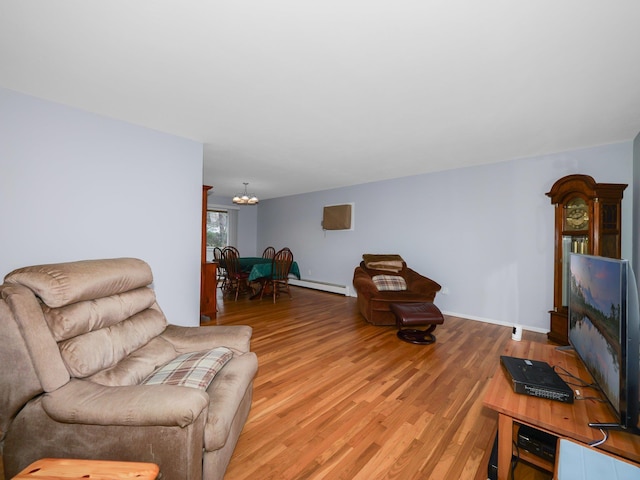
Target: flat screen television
x: 604, y: 330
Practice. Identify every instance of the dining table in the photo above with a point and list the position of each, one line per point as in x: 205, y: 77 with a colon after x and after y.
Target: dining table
x: 259, y: 269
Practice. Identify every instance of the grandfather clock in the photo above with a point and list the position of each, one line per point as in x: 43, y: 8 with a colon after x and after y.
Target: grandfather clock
x: 588, y: 221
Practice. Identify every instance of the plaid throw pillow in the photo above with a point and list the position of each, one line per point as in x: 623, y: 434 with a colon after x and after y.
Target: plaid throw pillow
x: 389, y: 282
x: 195, y: 369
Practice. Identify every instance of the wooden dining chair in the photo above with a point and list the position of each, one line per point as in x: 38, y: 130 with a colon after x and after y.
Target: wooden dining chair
x: 236, y: 278
x: 279, y: 278
x: 222, y: 273
x: 269, y: 252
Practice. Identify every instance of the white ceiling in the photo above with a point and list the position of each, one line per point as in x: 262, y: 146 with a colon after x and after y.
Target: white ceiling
x: 296, y: 96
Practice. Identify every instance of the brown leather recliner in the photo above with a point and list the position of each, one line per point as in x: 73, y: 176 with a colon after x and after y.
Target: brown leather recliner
x: 373, y: 302
x: 79, y: 341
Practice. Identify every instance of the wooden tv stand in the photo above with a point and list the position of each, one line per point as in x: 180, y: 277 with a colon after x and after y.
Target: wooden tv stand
x: 564, y: 420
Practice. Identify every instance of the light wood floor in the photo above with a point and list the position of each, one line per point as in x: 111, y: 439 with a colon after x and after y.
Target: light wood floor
x: 337, y: 398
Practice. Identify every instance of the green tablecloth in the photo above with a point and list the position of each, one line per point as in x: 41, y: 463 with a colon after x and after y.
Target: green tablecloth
x: 259, y: 267
x: 247, y: 263
x: 263, y: 269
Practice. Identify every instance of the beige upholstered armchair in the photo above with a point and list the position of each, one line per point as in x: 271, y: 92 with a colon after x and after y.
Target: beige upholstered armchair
x: 81, y: 345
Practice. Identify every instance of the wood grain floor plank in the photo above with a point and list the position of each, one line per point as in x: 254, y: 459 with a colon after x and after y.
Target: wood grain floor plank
x: 337, y: 398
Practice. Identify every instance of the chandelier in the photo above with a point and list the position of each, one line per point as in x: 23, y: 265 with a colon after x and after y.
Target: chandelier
x: 244, y: 198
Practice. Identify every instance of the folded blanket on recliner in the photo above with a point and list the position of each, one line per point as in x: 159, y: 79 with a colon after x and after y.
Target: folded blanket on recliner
x: 391, y: 263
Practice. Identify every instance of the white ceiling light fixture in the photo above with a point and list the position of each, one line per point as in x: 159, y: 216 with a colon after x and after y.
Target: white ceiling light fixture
x: 244, y: 198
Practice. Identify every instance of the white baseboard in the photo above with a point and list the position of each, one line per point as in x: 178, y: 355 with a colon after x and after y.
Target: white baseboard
x: 495, y: 322
x: 316, y: 285
x: 345, y: 290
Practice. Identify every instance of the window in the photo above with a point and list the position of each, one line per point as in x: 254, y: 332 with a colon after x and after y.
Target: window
x: 217, y: 228
x: 221, y: 229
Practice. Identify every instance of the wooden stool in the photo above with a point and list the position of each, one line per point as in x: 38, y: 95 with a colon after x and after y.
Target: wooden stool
x: 61, y: 468
x: 413, y: 315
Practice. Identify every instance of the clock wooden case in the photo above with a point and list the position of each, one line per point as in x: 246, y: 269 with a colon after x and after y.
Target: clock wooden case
x: 587, y: 220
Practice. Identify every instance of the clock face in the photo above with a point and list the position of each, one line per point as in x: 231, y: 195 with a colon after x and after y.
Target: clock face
x: 576, y: 215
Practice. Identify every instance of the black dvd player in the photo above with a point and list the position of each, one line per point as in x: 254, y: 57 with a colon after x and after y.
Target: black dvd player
x: 541, y: 444
x: 535, y: 378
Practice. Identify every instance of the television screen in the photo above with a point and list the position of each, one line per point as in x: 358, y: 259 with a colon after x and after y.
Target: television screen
x: 604, y: 330
x: 596, y: 300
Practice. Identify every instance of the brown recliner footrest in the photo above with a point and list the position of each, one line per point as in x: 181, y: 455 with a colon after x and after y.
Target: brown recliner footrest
x: 413, y: 315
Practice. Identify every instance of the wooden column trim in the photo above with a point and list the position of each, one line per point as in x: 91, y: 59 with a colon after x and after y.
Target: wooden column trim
x: 205, y: 193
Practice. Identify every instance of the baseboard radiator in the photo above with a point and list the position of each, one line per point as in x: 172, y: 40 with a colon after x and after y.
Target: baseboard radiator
x: 316, y: 285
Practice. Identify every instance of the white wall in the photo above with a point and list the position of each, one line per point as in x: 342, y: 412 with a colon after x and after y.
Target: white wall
x: 74, y: 185
x: 485, y: 233
x: 247, y: 224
